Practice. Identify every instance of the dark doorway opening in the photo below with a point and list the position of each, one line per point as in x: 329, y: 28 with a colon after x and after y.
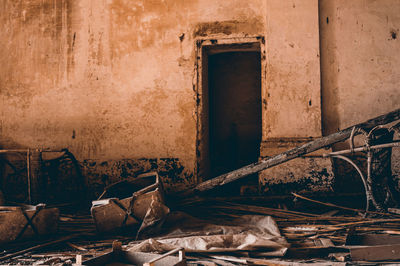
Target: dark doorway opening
x: 231, y: 111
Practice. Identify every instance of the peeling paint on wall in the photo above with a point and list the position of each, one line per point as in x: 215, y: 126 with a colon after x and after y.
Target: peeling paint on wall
x: 301, y: 174
x: 112, y: 80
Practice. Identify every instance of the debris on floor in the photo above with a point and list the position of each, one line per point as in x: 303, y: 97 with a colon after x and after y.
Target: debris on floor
x: 145, y: 207
x: 134, y: 223
x: 229, y: 233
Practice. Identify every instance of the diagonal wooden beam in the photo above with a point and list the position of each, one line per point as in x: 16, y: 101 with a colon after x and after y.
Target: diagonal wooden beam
x: 293, y: 153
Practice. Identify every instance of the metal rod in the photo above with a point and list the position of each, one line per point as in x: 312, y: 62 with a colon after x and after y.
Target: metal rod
x: 367, y: 190
x: 364, y: 148
x: 19, y: 150
x: 369, y: 180
x: 28, y: 172
x: 26, y: 150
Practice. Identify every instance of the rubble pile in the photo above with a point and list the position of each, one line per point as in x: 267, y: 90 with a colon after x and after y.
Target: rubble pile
x: 133, y: 222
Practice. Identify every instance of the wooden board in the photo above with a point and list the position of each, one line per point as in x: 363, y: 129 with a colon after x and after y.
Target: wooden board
x: 135, y: 258
x: 375, y: 253
x: 292, y: 154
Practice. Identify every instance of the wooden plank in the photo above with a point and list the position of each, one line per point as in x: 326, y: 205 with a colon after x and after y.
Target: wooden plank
x: 372, y: 239
x: 375, y: 253
x: 337, y: 206
x: 323, y: 242
x: 313, y: 252
x: 292, y: 154
x: 135, y: 258
x: 21, y: 252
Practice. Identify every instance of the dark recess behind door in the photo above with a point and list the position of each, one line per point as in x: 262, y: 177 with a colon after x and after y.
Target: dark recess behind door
x: 234, y: 83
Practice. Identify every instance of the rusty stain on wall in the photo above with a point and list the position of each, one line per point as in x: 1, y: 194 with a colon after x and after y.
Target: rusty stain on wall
x: 102, y: 173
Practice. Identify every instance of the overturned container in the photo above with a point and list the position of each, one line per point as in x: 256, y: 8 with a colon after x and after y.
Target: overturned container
x: 23, y: 222
x: 145, y: 207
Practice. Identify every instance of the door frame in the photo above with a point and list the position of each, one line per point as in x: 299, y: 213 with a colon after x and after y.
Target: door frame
x: 203, y: 48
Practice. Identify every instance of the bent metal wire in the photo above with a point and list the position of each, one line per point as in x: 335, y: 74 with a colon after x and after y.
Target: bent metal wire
x: 367, y: 147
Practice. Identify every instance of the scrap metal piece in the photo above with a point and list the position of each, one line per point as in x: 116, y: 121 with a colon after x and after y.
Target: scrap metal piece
x: 378, y: 147
x: 113, y: 213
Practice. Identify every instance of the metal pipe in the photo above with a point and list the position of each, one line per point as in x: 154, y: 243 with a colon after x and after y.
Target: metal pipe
x: 373, y: 129
x: 353, y: 131
x: 369, y: 179
x: 364, y: 148
x: 28, y: 172
x: 368, y: 195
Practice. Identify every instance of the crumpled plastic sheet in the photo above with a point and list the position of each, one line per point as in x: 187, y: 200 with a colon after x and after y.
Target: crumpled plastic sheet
x: 254, y: 233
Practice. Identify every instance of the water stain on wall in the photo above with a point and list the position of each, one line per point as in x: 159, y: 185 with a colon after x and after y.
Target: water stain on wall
x: 251, y: 26
x: 102, y: 173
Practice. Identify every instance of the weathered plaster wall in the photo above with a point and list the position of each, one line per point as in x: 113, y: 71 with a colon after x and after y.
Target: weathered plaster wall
x: 110, y: 80
x: 360, y: 60
x: 360, y: 79
x: 360, y: 63
x: 83, y: 75
x: 113, y: 80
x: 293, y: 102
